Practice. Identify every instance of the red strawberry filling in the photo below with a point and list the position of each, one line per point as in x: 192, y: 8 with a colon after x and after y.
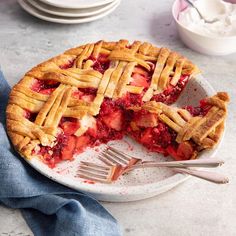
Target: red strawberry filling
x: 68, y: 65
x: 140, y: 80
x: 30, y: 115
x: 146, y: 129
x: 86, y: 95
x: 110, y: 125
x: 44, y: 86
x: 200, y: 110
x: 161, y: 139
x: 52, y: 155
x: 101, y: 63
x: 171, y: 94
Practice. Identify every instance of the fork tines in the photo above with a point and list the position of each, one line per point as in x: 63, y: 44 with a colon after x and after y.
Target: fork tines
x: 101, y: 173
x: 112, y: 156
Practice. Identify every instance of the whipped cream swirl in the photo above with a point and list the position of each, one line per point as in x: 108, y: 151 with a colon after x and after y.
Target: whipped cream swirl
x: 223, y: 12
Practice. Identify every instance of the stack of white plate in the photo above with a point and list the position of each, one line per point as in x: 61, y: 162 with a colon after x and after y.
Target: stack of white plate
x: 69, y: 11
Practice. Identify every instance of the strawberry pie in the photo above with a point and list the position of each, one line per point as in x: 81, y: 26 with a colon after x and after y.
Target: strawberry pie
x: 99, y: 92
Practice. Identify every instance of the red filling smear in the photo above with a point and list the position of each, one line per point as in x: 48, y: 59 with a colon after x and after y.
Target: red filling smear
x: 30, y: 115
x: 171, y: 94
x: 44, y: 86
x: 200, y: 110
x: 89, y: 182
x: 101, y: 63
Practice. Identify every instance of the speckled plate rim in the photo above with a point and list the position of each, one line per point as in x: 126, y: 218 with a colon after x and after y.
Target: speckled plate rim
x: 113, y: 193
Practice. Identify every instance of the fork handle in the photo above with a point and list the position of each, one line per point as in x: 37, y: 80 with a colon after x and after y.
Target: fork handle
x: 208, y: 163
x: 209, y: 176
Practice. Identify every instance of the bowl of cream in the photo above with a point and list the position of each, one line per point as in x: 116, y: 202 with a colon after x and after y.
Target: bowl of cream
x: 215, y: 33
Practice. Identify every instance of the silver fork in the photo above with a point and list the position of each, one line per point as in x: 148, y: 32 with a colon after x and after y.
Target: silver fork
x: 119, y: 163
x: 108, y: 174
x: 113, y: 156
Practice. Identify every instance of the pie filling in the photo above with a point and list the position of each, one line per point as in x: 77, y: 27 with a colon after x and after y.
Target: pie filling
x: 112, y: 123
x: 44, y: 86
x: 171, y: 94
x: 156, y: 136
x: 101, y: 63
x: 114, y: 119
x: 76, y: 135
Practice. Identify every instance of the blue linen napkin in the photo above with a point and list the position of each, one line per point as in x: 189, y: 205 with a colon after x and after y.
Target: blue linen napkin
x: 48, y: 208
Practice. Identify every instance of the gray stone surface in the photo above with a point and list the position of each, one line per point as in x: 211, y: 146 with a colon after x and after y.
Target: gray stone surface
x: 195, y: 208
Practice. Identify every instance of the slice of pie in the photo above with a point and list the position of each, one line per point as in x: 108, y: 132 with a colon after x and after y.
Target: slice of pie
x: 101, y: 91
x: 179, y: 132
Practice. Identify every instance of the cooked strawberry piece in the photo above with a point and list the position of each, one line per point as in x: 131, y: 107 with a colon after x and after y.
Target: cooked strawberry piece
x: 47, y: 91
x: 88, y: 98
x: 68, y: 150
x: 173, y: 153
x: 141, y: 71
x: 159, y: 149
x: 146, y: 120
x: 77, y: 94
x: 185, y: 150
x: 93, y: 130
x: 83, y: 96
x: 146, y: 136
x: 69, y: 127
x: 114, y: 120
x: 103, y: 57
x: 139, y: 80
x: 82, y: 142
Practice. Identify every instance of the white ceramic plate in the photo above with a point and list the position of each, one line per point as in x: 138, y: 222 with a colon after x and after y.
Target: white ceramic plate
x: 60, y: 19
x: 71, y: 12
x: 136, y: 185
x: 78, y: 4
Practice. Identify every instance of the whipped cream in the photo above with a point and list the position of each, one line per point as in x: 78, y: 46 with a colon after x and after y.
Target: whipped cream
x: 223, y: 12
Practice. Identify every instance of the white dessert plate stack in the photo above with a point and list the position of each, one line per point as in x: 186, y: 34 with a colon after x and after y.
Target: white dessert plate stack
x: 69, y: 11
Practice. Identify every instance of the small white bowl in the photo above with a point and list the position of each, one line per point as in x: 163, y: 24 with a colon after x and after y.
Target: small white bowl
x: 216, y: 46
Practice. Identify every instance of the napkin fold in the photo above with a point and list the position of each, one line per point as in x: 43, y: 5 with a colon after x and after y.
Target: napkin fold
x: 48, y: 208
